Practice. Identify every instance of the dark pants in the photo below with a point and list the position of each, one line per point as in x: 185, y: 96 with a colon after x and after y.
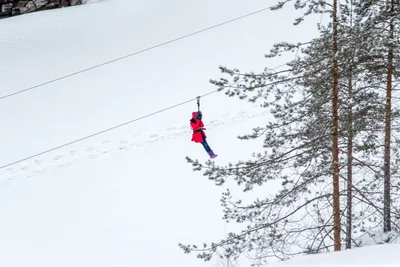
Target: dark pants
x: 205, y: 145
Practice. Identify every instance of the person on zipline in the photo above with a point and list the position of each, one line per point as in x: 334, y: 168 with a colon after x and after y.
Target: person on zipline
x: 199, y: 136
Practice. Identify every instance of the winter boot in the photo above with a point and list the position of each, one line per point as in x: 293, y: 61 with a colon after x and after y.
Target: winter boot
x: 212, y: 155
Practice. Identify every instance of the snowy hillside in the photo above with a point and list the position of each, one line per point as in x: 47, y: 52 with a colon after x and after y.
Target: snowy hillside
x: 372, y: 256
x: 126, y: 197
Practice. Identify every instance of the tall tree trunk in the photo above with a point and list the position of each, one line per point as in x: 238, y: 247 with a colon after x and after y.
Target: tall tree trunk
x: 335, y: 135
x: 349, y: 223
x: 388, y: 120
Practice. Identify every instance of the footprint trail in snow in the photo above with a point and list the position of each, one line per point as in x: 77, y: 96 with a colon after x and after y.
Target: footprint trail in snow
x: 66, y: 158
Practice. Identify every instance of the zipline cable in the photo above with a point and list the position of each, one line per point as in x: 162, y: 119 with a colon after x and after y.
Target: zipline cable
x: 117, y: 126
x: 103, y: 131
x: 135, y: 53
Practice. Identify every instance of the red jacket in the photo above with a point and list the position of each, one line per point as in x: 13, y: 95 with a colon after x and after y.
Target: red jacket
x: 198, y: 133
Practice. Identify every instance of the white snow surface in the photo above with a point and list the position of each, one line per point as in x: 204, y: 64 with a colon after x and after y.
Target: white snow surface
x: 127, y: 197
x: 371, y: 256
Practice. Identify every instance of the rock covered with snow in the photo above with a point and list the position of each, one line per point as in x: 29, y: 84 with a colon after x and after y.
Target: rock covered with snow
x: 17, y: 7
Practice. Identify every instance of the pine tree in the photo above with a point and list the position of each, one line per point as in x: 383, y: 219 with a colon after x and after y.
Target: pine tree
x: 335, y: 132
x: 298, y: 146
x: 388, y: 122
x: 380, y: 18
x: 288, y: 130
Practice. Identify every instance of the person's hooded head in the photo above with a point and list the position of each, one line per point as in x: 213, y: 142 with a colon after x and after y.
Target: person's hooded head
x: 199, y: 115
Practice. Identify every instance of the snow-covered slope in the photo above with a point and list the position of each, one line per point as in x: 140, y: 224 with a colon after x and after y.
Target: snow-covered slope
x: 372, y: 256
x: 126, y: 197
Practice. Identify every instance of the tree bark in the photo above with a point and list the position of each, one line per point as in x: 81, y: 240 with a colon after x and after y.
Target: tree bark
x: 388, y: 120
x: 335, y: 136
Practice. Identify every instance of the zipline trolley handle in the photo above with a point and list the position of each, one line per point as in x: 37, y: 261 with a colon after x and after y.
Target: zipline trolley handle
x: 198, y: 103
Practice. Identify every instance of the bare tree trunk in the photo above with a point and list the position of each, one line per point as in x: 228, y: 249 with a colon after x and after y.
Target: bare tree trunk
x: 388, y: 120
x: 335, y: 136
x: 349, y: 206
x: 349, y: 223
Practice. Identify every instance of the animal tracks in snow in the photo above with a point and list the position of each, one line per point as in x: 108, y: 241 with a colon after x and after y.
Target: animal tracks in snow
x: 107, y: 148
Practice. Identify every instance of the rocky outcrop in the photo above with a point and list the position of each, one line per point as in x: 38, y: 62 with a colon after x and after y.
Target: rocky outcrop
x: 16, y: 7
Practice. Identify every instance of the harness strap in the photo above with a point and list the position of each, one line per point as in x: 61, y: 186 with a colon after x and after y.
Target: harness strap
x: 195, y: 131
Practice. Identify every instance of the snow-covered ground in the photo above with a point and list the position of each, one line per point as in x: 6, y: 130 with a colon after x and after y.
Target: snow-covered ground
x: 371, y: 256
x: 126, y: 197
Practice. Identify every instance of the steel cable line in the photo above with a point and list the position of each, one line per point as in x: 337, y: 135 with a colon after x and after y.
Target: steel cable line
x: 101, y: 132
x: 115, y: 127
x: 134, y: 53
